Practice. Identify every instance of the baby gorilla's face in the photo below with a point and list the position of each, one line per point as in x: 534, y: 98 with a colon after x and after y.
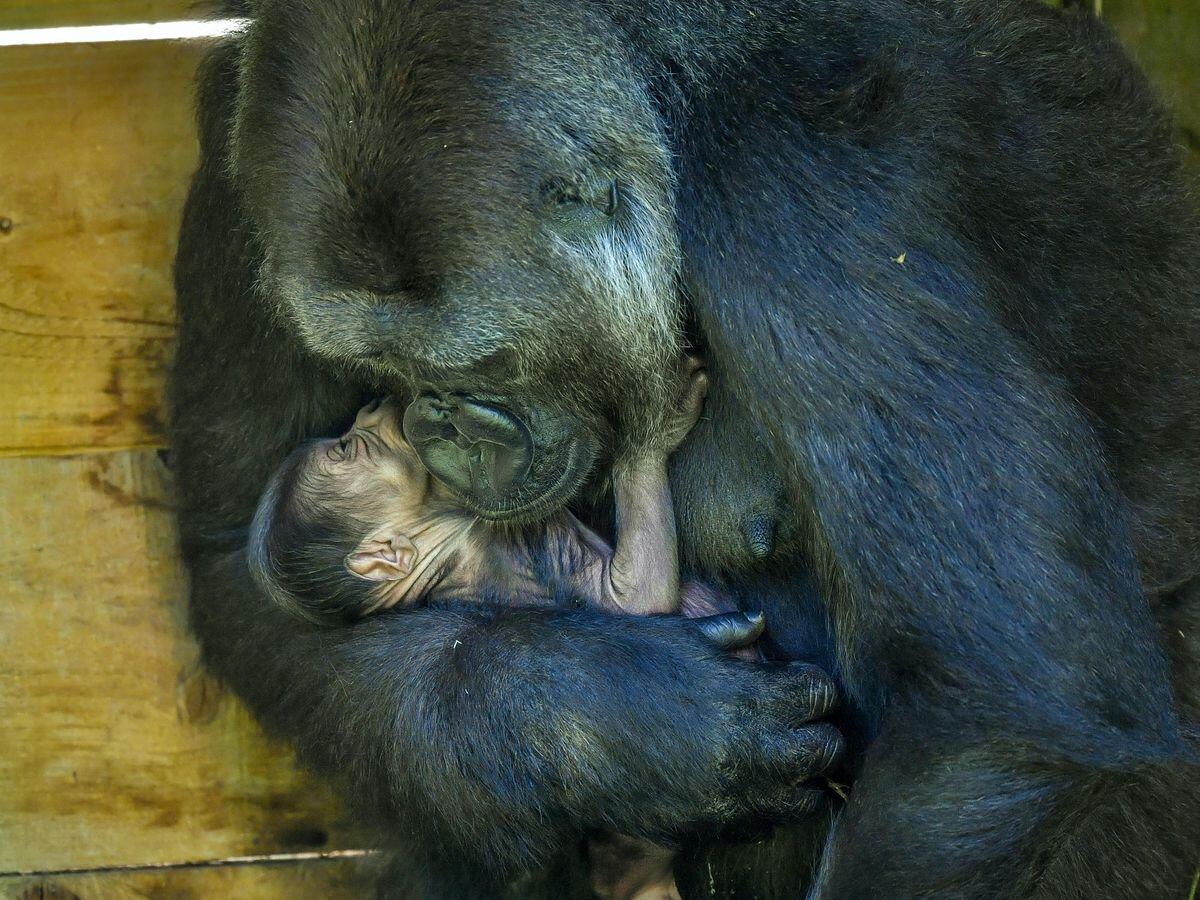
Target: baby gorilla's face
x: 373, y: 465
x: 374, y: 470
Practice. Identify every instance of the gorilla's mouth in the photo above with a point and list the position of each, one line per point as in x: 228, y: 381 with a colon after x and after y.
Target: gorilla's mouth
x: 489, y: 457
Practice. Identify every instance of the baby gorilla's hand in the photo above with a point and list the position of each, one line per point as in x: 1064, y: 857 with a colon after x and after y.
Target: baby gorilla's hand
x: 673, y: 422
x: 691, y: 403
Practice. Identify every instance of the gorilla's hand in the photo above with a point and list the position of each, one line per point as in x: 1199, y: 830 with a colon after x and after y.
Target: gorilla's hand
x: 502, y: 734
x: 781, y: 734
x: 774, y: 743
x: 675, y: 420
x: 506, y: 732
x: 689, y: 406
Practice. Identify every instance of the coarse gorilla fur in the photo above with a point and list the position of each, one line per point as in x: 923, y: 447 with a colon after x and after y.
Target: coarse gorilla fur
x: 941, y: 258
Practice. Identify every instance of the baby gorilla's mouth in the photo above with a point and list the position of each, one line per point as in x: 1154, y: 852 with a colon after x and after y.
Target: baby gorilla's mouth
x: 480, y: 452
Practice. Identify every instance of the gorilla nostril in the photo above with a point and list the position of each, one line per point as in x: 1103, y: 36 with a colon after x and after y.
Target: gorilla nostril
x: 441, y: 409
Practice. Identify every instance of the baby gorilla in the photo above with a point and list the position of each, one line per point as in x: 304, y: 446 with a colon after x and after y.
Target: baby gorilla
x: 353, y: 525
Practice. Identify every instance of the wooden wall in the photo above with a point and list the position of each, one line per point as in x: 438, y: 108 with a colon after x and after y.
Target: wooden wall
x: 118, y: 755
x: 123, y: 766
x: 53, y: 13
x: 1164, y: 35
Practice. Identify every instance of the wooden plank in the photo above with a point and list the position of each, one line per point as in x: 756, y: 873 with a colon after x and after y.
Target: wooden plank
x: 1164, y: 36
x: 323, y: 879
x: 116, y: 749
x: 97, y: 149
x: 52, y: 13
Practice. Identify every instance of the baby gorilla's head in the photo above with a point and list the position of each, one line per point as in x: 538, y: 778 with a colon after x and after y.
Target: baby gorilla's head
x: 353, y: 524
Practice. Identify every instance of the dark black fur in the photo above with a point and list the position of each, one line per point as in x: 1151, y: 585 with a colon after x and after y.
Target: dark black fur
x: 943, y: 263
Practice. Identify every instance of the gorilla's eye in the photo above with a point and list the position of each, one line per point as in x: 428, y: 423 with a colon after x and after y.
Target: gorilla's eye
x: 575, y: 206
x: 614, y: 198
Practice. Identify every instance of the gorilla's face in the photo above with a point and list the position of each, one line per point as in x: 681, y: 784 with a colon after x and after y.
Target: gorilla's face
x: 454, y: 207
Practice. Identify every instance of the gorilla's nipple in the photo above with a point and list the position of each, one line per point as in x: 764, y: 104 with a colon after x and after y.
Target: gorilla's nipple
x: 759, y: 533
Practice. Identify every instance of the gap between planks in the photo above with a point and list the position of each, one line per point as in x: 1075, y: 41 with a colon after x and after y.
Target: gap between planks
x: 232, y: 861
x: 68, y: 451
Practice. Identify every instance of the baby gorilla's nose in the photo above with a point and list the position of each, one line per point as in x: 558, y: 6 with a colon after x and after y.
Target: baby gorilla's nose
x: 369, y: 415
x: 476, y: 450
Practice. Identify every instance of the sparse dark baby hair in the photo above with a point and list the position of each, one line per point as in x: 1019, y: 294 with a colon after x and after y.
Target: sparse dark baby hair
x: 298, y: 546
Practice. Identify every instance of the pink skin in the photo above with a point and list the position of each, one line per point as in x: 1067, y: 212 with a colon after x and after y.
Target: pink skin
x: 421, y: 523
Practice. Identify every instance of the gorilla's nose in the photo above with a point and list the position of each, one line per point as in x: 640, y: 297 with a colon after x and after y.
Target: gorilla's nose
x: 475, y: 449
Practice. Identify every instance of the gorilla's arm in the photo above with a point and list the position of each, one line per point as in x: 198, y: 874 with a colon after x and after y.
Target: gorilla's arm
x: 986, y: 595
x: 498, y: 736
x: 489, y: 735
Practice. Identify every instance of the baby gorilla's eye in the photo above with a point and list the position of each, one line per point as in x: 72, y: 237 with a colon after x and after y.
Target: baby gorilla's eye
x: 339, y: 450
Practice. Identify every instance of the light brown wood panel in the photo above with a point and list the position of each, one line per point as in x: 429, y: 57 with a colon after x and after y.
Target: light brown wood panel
x: 96, y: 152
x: 1164, y: 35
x: 321, y: 879
x: 116, y: 749
x: 52, y: 13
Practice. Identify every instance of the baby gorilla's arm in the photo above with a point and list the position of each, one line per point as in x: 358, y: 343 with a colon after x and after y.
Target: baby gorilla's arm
x: 642, y: 577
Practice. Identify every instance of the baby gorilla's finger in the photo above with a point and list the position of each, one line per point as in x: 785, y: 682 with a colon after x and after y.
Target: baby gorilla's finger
x: 730, y: 631
x: 692, y: 362
x: 695, y: 392
x: 800, y: 693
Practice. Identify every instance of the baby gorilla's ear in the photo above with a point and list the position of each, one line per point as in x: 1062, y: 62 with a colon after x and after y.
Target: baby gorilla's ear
x: 385, y: 555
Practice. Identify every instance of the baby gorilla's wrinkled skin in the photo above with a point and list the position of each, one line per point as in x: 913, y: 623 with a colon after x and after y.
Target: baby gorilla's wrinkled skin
x: 419, y: 543
x: 423, y: 545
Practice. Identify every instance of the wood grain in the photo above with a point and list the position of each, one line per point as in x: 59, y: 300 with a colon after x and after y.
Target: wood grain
x: 52, y: 13
x: 117, y: 749
x: 97, y: 149
x: 323, y: 879
x: 1164, y: 36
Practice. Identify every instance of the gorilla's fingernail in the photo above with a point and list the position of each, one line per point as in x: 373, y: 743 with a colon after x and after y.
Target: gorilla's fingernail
x: 756, y: 617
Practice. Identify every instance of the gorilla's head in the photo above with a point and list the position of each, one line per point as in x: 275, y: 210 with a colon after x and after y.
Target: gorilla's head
x: 470, y: 201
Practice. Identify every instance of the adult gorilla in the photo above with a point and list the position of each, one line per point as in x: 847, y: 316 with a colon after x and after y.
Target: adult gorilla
x: 940, y: 258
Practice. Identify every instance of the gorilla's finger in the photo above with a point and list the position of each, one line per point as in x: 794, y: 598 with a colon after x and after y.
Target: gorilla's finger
x: 829, y: 747
x: 808, y: 752
x: 801, y: 693
x: 731, y: 631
